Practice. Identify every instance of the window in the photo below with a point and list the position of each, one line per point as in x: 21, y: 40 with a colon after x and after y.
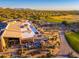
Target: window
x: 13, y: 42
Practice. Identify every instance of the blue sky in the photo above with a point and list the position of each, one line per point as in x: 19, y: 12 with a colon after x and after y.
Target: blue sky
x: 41, y: 4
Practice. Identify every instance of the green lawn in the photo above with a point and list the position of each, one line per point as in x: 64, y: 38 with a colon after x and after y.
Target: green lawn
x: 58, y: 20
x: 54, y: 20
x: 73, y: 40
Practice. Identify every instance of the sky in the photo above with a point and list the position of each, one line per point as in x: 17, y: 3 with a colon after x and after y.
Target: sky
x: 41, y: 4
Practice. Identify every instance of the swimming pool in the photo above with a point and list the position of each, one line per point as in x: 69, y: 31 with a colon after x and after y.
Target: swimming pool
x: 34, y: 29
x: 2, y: 26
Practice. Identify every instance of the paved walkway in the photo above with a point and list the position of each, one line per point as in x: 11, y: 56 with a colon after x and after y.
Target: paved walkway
x: 65, y: 48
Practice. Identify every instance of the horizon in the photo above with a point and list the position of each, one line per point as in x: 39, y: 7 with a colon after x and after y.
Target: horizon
x: 41, y: 4
x: 40, y: 9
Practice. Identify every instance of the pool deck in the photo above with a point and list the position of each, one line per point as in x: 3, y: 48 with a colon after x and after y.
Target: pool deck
x: 29, y: 31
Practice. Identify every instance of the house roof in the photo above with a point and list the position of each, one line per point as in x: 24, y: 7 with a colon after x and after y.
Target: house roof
x: 14, y: 30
